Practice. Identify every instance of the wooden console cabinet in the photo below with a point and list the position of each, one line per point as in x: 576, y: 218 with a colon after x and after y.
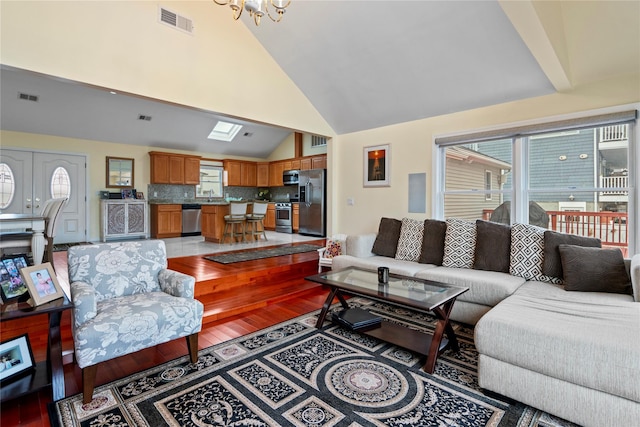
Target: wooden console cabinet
x: 166, y: 221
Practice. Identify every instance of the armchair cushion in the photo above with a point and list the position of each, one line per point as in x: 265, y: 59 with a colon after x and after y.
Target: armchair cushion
x: 130, y: 323
x: 118, y: 269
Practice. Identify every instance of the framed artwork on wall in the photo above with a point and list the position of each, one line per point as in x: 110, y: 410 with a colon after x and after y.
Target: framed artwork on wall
x: 377, y: 161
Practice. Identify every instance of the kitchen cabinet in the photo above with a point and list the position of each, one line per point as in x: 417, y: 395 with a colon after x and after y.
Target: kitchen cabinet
x: 192, y: 170
x: 170, y: 168
x: 262, y: 175
x: 270, y: 218
x: 248, y: 173
x: 212, y: 221
x: 123, y: 218
x: 295, y: 164
x: 305, y: 163
x: 240, y: 174
x: 319, y: 162
x: 166, y: 221
x: 275, y: 174
x: 287, y: 165
x: 295, y: 217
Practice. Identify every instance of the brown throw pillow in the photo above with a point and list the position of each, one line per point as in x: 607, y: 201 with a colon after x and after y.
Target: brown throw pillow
x: 386, y: 242
x: 594, y: 270
x: 493, y: 246
x: 433, y: 242
x: 552, y: 266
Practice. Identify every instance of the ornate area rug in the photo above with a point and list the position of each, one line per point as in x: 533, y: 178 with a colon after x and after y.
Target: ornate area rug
x: 293, y: 374
x: 252, y: 254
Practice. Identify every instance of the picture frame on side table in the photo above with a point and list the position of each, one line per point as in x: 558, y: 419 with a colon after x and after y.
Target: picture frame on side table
x: 16, y: 357
x: 12, y: 286
x: 42, y: 283
x: 377, y: 161
x: 139, y: 195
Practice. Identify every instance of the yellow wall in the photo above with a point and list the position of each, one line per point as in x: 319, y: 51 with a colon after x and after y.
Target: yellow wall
x: 412, y: 149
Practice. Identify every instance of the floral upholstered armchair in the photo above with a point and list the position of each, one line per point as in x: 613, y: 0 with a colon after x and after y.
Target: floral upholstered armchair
x: 126, y: 300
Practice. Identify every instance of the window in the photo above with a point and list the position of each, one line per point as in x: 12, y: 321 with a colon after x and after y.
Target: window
x: 488, y: 184
x: 574, y: 180
x: 211, y: 179
x: 7, y: 186
x: 60, y: 183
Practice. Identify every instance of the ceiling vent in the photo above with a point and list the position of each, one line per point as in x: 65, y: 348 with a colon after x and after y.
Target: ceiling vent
x: 248, y: 134
x: 143, y: 117
x: 176, y: 21
x: 318, y: 141
x: 27, y: 97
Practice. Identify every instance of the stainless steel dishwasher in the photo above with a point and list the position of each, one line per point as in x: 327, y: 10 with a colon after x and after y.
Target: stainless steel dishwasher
x: 191, y: 220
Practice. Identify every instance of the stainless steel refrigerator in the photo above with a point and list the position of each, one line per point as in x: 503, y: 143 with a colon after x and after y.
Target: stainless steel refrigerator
x: 313, y: 202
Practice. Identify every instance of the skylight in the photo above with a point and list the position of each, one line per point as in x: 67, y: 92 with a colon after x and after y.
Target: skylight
x: 224, y: 131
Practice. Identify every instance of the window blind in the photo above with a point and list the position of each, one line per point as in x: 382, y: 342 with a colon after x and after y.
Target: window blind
x: 538, y: 128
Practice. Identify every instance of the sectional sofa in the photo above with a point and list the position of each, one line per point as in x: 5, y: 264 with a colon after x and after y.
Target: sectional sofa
x: 557, y: 317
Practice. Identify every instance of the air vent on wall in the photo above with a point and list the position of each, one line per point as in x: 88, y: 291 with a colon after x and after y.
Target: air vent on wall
x: 176, y: 21
x: 27, y: 97
x: 318, y: 141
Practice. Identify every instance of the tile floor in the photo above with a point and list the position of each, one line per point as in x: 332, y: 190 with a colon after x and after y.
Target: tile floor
x: 195, y: 245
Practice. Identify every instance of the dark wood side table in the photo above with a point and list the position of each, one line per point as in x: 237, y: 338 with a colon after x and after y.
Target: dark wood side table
x: 49, y: 372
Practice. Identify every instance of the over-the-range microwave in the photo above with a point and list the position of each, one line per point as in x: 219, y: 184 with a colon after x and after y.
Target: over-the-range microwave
x: 290, y: 177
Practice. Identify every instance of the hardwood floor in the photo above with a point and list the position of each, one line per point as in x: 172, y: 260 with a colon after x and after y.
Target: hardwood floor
x: 277, y: 292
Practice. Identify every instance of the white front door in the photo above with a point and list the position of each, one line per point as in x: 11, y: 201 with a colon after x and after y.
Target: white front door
x: 40, y: 176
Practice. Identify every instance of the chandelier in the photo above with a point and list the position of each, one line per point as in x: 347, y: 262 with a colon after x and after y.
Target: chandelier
x: 257, y: 8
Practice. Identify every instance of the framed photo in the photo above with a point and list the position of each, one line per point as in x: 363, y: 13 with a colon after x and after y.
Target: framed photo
x: 16, y: 357
x: 139, y: 195
x: 42, y: 283
x: 128, y: 193
x: 376, y: 166
x: 12, y: 286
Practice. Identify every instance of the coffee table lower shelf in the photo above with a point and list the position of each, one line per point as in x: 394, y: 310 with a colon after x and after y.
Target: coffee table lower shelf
x: 410, y: 339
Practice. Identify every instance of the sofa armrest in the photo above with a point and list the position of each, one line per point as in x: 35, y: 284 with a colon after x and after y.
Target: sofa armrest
x: 634, y: 272
x: 176, y: 283
x: 84, y: 300
x: 360, y: 245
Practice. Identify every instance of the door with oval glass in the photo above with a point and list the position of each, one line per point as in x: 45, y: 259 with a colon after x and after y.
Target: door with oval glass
x: 28, y: 178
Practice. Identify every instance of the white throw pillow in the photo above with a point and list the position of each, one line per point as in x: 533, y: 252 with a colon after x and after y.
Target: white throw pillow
x: 459, y: 243
x: 410, y: 241
x: 527, y: 253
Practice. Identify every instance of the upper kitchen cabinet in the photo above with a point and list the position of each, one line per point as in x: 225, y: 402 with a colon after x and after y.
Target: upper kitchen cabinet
x: 171, y: 168
x: 275, y: 174
x: 319, y: 162
x: 262, y: 174
x: 240, y: 173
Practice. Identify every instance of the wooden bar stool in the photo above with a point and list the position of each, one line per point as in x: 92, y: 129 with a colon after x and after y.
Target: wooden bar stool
x: 255, y: 224
x: 234, y: 222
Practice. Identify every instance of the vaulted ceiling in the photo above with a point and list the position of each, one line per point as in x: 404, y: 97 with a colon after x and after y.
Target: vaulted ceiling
x: 365, y: 64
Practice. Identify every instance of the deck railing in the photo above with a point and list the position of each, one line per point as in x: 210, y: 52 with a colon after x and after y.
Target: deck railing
x: 613, y: 133
x: 614, y: 182
x: 609, y: 227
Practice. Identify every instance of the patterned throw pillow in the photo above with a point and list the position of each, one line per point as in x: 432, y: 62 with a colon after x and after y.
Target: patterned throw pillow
x: 410, y: 241
x: 334, y: 248
x: 459, y: 243
x: 527, y: 253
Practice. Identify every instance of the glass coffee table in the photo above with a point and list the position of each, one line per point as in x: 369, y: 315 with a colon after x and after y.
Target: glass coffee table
x: 409, y: 292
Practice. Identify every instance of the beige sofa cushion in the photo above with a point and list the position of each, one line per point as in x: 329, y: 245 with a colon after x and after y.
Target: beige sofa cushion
x: 485, y: 287
x: 396, y: 266
x: 572, y: 336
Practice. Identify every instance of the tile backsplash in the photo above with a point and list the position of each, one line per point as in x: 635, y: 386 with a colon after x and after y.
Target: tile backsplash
x: 187, y: 193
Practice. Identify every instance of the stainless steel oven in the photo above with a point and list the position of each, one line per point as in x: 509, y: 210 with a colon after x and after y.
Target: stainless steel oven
x: 283, y: 218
